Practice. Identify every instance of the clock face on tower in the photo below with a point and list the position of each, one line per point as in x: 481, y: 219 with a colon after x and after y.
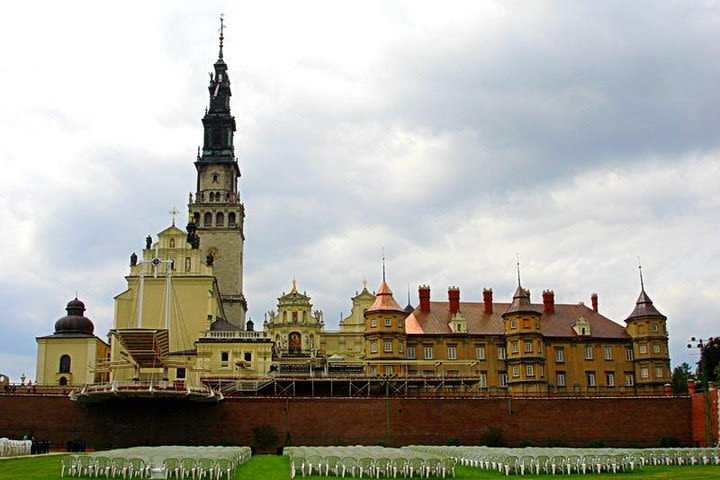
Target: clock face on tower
x: 214, y: 251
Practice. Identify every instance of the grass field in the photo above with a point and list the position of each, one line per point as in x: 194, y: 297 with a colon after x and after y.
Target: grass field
x: 272, y: 467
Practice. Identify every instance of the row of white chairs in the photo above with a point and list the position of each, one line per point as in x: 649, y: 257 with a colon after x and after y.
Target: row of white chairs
x: 524, y: 461
x: 211, y: 463
x: 14, y: 448
x: 367, y: 462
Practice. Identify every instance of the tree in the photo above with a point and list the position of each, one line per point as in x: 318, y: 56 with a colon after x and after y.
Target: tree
x: 710, y: 354
x: 680, y: 376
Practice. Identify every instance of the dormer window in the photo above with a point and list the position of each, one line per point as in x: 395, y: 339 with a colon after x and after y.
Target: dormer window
x: 582, y: 327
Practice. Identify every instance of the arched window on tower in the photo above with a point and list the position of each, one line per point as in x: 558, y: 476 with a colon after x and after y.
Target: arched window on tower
x: 63, y: 381
x: 207, y: 221
x: 231, y: 219
x: 220, y: 220
x: 65, y: 364
x: 212, y: 196
x: 172, y: 243
x: 196, y: 217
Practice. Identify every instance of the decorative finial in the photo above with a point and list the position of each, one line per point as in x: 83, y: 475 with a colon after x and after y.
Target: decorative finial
x: 642, y: 284
x: 517, y: 263
x: 364, y: 284
x: 408, y: 294
x: 198, y: 154
x: 294, y: 285
x: 222, y: 27
x: 173, y: 212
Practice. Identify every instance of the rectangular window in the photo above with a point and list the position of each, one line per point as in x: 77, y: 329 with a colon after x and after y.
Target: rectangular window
x: 373, y: 347
x: 644, y: 372
x: 610, y: 379
x: 588, y: 352
x: 388, y: 322
x: 373, y: 322
x: 428, y: 351
x: 373, y: 370
x: 608, y: 353
x: 656, y: 348
x: 389, y: 369
x: 590, y: 379
x: 629, y: 355
x: 502, y: 376
x: 248, y: 356
x: 529, y: 371
x: 658, y: 372
x: 501, y: 353
x: 515, y: 371
x: 483, y: 379
x: 654, y: 327
x: 401, y: 347
x: 388, y: 346
x: 514, y: 347
x: 452, y: 353
x: 559, y: 355
x: 411, y: 352
x: 528, y: 346
x: 560, y: 379
x: 224, y: 356
x: 643, y: 349
x: 180, y: 373
x: 480, y: 352
x: 629, y: 379
x: 513, y: 323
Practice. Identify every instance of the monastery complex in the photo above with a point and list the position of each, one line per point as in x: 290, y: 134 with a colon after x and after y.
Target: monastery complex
x: 180, y: 325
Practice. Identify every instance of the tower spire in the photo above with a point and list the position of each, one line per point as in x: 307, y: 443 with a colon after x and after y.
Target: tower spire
x: 383, y: 264
x: 222, y: 28
x: 642, y: 284
x: 517, y: 263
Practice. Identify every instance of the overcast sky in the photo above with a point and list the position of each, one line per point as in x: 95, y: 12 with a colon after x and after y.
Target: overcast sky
x: 580, y: 135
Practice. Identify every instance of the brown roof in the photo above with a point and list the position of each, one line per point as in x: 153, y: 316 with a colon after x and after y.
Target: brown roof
x: 558, y: 324
x: 644, y: 307
x: 521, y: 302
x: 384, y: 300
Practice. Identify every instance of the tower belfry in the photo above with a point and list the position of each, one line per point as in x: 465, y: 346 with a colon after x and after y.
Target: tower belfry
x: 215, y: 209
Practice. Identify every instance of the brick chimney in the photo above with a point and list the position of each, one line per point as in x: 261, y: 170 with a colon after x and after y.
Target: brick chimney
x: 424, y: 295
x: 548, y: 301
x: 488, y: 301
x: 691, y: 387
x: 594, y: 300
x: 454, y: 299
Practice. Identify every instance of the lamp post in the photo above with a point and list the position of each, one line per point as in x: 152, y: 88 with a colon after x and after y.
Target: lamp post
x: 699, y: 344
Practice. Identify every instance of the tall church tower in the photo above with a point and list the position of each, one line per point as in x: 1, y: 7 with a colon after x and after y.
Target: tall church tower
x: 216, y: 211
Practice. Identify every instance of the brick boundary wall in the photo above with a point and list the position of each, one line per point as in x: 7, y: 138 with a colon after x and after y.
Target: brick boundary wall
x: 629, y: 421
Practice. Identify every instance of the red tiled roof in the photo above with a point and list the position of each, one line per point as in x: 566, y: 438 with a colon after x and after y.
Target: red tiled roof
x: 558, y: 324
x: 384, y: 300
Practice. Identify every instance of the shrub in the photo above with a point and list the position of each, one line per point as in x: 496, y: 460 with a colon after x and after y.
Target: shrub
x: 264, y: 437
x: 669, y: 442
x: 492, y: 437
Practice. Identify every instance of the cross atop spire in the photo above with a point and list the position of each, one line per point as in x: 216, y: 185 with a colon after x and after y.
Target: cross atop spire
x: 222, y: 28
x: 173, y: 212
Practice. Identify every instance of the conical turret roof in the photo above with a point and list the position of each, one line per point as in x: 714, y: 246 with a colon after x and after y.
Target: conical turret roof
x: 384, y: 300
x: 521, y: 302
x: 644, y: 307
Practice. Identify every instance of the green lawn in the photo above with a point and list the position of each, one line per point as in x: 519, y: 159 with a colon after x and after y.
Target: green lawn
x: 272, y: 467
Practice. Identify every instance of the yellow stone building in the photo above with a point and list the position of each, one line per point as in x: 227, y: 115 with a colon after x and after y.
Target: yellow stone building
x: 70, y: 355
